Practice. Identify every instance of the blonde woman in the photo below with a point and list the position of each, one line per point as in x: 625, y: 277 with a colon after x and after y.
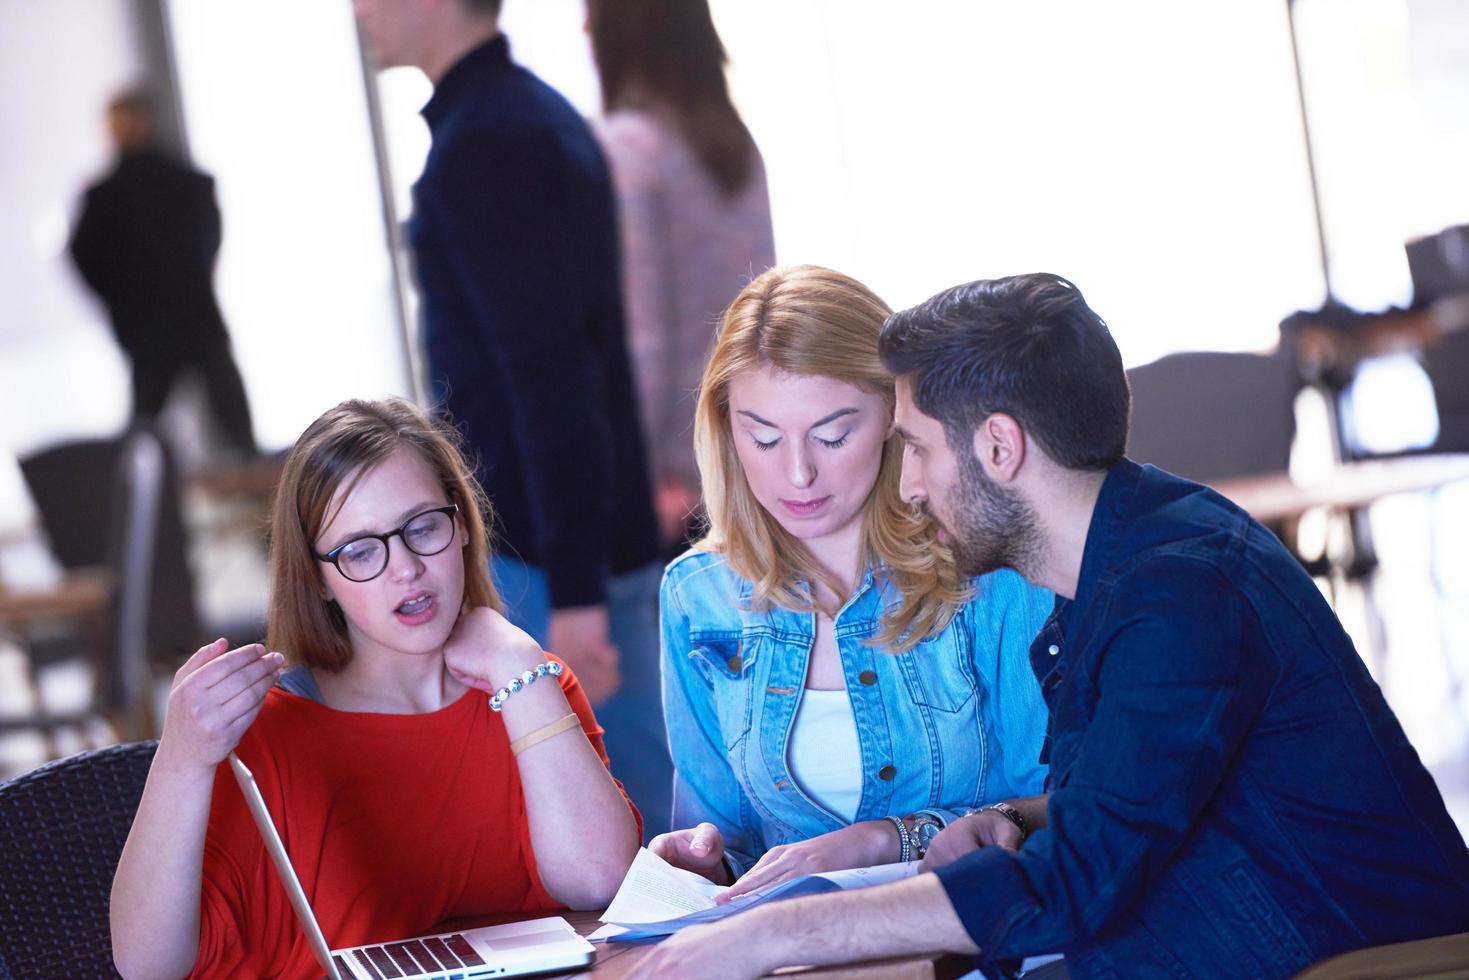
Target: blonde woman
x: 834, y: 691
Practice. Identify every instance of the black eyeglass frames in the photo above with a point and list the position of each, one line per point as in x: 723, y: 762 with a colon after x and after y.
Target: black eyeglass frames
x: 425, y: 534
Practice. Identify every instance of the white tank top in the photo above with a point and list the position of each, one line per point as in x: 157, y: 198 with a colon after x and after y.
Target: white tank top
x: 823, y: 754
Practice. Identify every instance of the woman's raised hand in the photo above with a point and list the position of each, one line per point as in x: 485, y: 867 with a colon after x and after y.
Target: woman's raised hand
x: 216, y: 694
x: 485, y: 649
x: 700, y: 850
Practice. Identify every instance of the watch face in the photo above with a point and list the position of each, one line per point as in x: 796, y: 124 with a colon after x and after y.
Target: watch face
x: 924, y: 831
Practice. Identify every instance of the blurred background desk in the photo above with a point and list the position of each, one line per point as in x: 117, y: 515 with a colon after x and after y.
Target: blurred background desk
x: 74, y: 611
x: 1275, y: 496
x: 81, y: 594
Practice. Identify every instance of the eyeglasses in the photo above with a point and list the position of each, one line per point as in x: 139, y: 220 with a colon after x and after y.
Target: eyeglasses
x: 425, y: 534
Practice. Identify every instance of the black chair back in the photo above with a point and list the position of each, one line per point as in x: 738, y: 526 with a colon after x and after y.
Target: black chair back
x: 82, y: 492
x: 1209, y: 415
x: 1447, y: 365
x: 62, y: 828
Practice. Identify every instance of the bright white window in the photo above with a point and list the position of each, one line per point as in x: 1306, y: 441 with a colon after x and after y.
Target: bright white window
x: 273, y: 103
x: 1150, y: 150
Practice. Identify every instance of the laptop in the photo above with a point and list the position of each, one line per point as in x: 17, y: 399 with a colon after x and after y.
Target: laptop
x: 517, y: 949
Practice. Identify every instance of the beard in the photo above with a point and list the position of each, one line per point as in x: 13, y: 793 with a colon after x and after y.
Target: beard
x: 993, y: 527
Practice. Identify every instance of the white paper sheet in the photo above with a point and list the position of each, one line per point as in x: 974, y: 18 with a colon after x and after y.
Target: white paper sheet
x: 657, y: 899
x: 655, y: 890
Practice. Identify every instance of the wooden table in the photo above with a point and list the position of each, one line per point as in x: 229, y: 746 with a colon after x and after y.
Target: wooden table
x: 254, y: 479
x: 81, y: 593
x: 619, y: 959
x: 1275, y: 496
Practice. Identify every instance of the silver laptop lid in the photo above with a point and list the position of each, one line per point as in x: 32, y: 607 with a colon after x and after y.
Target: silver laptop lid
x: 283, y: 866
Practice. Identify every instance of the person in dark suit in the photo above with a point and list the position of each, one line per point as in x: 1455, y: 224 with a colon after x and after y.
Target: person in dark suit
x: 515, y: 244
x: 146, y: 243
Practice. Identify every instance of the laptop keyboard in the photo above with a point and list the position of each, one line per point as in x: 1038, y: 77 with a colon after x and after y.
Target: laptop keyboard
x: 417, y: 957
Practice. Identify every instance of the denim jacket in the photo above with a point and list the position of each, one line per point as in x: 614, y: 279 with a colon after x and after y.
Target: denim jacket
x: 955, y: 722
x: 1230, y: 794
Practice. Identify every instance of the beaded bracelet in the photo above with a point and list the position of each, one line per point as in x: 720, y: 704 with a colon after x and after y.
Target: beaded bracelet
x: 905, y: 840
x: 527, y: 677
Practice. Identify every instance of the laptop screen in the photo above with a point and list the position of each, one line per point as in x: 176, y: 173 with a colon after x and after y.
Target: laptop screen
x: 283, y: 867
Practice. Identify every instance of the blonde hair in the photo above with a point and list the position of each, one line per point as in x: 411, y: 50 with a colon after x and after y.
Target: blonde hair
x: 813, y: 321
x: 347, y: 442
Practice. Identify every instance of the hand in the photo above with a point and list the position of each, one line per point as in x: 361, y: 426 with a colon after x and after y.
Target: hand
x: 485, y: 650
x: 700, y: 850
x: 735, y: 949
x: 858, y: 846
x: 673, y: 501
x: 214, y: 698
x: 582, y: 637
x: 984, y: 829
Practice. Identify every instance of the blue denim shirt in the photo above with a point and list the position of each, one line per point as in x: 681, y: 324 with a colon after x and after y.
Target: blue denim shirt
x: 1230, y: 794
x: 955, y: 722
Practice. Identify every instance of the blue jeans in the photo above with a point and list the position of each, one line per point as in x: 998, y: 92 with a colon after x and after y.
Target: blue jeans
x: 635, y: 739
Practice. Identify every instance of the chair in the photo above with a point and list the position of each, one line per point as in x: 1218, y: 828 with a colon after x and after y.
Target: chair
x: 1440, y: 958
x: 62, y: 828
x: 1447, y: 365
x: 1209, y: 416
x: 115, y: 503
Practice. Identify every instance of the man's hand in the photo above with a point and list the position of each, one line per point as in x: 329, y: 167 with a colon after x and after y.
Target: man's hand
x: 858, y: 846
x: 700, y: 850
x: 735, y: 949
x: 215, y: 696
x: 984, y: 829
x: 581, y: 636
x: 897, y: 919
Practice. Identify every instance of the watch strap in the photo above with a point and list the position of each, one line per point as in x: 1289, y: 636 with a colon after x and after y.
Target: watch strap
x: 1009, y: 813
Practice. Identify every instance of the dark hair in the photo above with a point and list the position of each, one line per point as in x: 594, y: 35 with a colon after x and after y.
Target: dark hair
x: 481, y: 6
x: 138, y: 99
x: 665, y: 56
x: 1028, y: 346
x: 343, y: 444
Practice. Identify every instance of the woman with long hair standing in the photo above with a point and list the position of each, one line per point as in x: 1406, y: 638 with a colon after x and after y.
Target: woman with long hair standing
x: 693, y: 207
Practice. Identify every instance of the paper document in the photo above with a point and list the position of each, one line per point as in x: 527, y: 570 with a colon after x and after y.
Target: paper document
x: 654, y: 890
x: 657, y: 899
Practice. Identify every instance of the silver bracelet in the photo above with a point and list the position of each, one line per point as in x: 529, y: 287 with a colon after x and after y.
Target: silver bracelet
x: 905, y: 840
x: 527, y: 677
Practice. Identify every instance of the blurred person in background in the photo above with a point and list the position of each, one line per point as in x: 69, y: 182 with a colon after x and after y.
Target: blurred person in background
x: 515, y: 240
x: 145, y: 243
x: 693, y: 209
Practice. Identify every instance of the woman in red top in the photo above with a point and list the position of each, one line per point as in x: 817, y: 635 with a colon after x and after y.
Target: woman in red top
x: 404, y: 800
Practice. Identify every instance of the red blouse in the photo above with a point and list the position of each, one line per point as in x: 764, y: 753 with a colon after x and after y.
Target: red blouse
x: 394, y: 823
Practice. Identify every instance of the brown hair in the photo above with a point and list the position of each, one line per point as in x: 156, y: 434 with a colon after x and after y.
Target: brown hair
x: 665, y: 57
x: 343, y: 444
x: 813, y: 321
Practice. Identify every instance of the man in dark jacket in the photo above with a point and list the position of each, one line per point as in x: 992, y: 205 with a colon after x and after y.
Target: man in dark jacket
x: 515, y: 244
x: 146, y: 242
x: 1229, y: 794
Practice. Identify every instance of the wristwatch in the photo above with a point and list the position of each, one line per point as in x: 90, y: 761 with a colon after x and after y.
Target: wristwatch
x: 1008, y: 812
x: 923, y: 827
